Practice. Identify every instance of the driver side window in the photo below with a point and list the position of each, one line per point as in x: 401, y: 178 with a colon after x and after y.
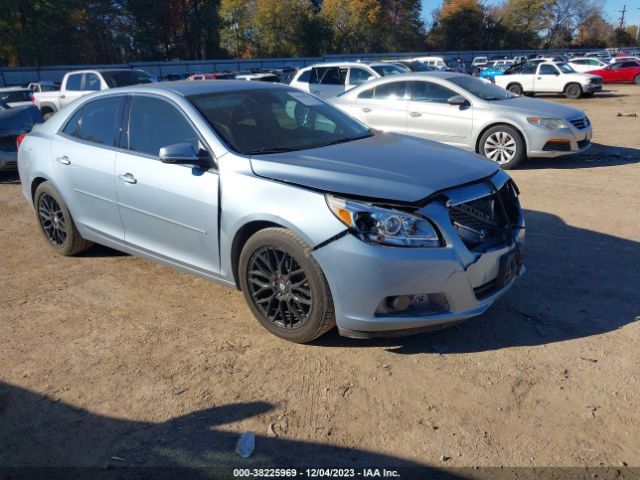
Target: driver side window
x: 547, y: 70
x: 154, y: 123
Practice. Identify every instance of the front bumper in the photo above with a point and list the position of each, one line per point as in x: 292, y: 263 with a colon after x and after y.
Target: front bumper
x: 542, y: 143
x: 361, y: 275
x: 592, y: 87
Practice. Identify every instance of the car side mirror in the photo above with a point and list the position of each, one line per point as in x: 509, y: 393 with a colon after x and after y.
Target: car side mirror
x: 182, y: 154
x: 457, y: 100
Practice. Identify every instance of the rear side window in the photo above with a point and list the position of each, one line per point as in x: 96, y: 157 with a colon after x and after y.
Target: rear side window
x: 390, y: 91
x: 329, y: 75
x: 154, y: 123
x: 74, y: 82
x: 100, y: 121
x: 358, y: 76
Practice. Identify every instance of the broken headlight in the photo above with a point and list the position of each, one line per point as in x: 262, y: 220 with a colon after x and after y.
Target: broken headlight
x: 384, y: 226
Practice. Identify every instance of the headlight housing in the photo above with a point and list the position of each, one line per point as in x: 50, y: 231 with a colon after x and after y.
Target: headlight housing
x: 550, y: 123
x: 384, y: 226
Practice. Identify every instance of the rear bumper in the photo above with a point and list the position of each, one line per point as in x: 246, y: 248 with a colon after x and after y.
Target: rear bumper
x: 8, y: 161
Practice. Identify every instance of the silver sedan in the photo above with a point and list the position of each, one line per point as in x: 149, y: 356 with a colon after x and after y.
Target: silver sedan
x: 316, y: 218
x: 469, y: 113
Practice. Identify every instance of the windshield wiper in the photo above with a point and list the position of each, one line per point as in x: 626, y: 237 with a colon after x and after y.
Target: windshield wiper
x: 344, y: 140
x: 265, y: 150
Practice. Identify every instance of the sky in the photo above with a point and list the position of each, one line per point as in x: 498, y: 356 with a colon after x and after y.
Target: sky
x: 611, y: 10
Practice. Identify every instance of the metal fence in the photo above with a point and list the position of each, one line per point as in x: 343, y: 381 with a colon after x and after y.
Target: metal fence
x: 24, y: 75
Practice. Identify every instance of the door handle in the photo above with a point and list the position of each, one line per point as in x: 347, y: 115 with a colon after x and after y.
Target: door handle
x: 128, y: 178
x: 63, y: 96
x: 64, y: 160
x: 366, y: 109
x: 539, y: 78
x: 415, y: 114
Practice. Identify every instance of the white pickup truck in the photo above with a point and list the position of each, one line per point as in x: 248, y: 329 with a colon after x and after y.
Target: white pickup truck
x: 549, y: 77
x: 81, y: 82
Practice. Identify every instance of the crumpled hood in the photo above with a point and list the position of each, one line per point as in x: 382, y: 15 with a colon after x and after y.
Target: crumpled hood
x: 385, y: 166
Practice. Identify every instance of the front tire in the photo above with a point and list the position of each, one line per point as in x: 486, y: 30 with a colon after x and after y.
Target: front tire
x: 573, y: 91
x: 56, y: 223
x: 284, y: 286
x: 504, y: 145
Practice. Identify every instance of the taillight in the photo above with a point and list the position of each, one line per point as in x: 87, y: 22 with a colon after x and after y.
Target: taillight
x: 33, y: 100
x: 19, y: 139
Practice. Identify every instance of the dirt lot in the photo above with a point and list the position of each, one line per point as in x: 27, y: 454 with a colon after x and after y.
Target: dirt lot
x: 108, y: 359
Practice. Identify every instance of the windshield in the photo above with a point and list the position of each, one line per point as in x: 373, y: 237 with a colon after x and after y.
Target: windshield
x: 124, y: 78
x: 565, y: 68
x: 483, y: 90
x: 386, y: 70
x: 262, y: 121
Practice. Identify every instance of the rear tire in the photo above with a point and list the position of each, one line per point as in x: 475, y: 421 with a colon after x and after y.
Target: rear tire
x: 515, y: 88
x: 504, y: 145
x: 637, y: 80
x: 284, y: 286
x: 56, y: 224
x: 573, y: 91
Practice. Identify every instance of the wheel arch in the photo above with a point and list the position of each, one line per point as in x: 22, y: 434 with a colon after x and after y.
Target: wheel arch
x: 496, y: 124
x: 34, y: 186
x: 243, y: 234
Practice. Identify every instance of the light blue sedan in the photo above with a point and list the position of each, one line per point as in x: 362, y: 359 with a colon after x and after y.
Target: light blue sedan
x: 316, y: 218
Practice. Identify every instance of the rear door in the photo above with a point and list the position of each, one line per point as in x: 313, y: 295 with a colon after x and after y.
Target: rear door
x: 385, y: 106
x: 83, y: 160
x: 169, y: 211
x: 431, y: 116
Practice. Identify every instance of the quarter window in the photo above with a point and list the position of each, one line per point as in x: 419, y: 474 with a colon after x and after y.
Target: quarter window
x: 73, y: 125
x: 367, y: 93
x: 154, y: 123
x: 74, y: 82
x: 304, y: 76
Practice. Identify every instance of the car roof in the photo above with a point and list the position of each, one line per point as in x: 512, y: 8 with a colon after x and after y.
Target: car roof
x: 340, y: 64
x: 14, y: 89
x: 187, y: 88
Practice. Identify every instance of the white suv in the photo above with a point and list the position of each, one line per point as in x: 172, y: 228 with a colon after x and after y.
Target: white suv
x: 330, y: 79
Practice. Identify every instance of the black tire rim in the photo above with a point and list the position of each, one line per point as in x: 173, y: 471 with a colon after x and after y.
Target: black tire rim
x: 52, y: 219
x: 279, y: 287
x: 573, y: 91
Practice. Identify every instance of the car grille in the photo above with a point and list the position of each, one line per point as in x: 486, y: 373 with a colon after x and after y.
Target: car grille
x: 580, y: 123
x: 487, y: 221
x: 11, y: 165
x: 8, y: 143
x: 557, y: 146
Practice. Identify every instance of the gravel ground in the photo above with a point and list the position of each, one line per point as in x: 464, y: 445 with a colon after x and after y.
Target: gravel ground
x: 108, y: 359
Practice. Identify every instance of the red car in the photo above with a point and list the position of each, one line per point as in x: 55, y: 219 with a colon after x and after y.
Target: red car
x: 623, y: 72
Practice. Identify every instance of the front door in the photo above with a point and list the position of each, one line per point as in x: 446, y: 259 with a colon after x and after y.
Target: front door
x: 547, y: 79
x: 169, y: 211
x: 431, y: 116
